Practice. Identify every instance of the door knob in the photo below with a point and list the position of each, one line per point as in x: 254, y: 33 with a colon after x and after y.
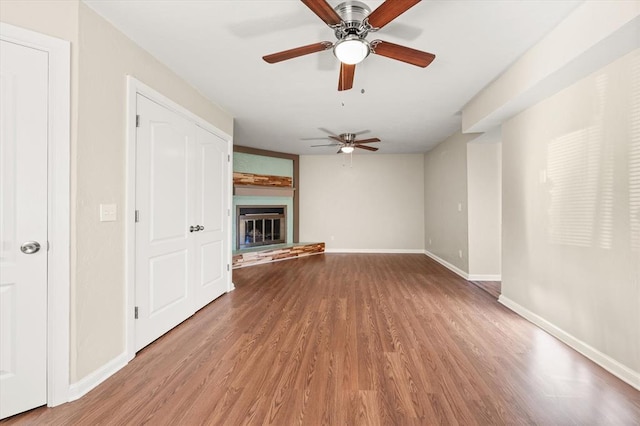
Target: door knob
x: 30, y: 247
x: 193, y: 228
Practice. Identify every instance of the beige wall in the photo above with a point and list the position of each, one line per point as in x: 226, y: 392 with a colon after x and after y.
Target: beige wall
x: 445, y: 189
x: 377, y: 204
x: 51, y: 17
x: 571, y: 211
x: 484, y: 190
x: 594, y: 34
x: 106, y: 58
x: 102, y: 58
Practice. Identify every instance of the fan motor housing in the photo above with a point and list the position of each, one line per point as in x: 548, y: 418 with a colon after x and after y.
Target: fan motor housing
x: 348, y: 137
x: 352, y: 11
x: 353, y: 14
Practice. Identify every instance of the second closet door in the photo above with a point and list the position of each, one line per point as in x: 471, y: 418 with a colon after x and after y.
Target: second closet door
x: 211, y: 194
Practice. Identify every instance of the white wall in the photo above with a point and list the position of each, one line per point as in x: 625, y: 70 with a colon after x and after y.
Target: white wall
x: 445, y: 202
x: 484, y: 191
x: 101, y: 59
x: 571, y: 215
x: 375, y: 205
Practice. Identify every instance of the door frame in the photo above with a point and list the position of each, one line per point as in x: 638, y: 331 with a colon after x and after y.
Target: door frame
x: 134, y: 88
x: 58, y: 201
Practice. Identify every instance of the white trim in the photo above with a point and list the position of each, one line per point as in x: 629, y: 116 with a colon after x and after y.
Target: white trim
x: 484, y: 277
x: 447, y: 265
x: 230, y: 242
x: 129, y: 219
x: 619, y: 370
x: 382, y: 251
x: 458, y: 271
x: 58, y: 274
x: 135, y: 87
x: 89, y: 382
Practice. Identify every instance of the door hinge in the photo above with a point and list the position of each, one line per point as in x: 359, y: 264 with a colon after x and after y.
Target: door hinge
x: 137, y: 120
x: 137, y: 216
x: 135, y: 313
x: 227, y: 266
x: 228, y: 158
x: 228, y: 212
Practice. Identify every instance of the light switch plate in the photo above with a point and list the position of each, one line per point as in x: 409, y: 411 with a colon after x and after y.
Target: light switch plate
x: 108, y: 212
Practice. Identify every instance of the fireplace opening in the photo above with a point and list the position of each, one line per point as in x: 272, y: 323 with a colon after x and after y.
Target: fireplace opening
x: 260, y: 225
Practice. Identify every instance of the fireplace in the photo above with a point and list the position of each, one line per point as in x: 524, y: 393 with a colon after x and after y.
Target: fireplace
x: 260, y: 225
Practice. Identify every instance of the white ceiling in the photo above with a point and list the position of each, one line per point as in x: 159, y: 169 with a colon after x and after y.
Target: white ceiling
x: 217, y: 46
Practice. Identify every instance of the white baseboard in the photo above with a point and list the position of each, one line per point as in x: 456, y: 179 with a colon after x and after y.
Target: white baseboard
x: 382, y: 251
x: 466, y: 276
x: 619, y: 370
x: 447, y: 265
x: 83, y: 386
x: 484, y: 277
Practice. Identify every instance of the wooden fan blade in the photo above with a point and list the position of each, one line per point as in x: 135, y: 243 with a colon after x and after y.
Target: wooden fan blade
x: 388, y: 11
x: 298, y: 51
x: 324, y: 11
x: 402, y: 53
x: 346, y: 76
x: 368, y: 148
x: 371, y: 140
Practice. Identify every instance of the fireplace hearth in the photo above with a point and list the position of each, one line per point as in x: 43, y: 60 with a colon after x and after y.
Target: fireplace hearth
x: 260, y: 225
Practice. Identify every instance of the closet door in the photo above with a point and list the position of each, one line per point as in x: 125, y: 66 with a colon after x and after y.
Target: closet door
x: 211, y: 157
x: 165, y: 255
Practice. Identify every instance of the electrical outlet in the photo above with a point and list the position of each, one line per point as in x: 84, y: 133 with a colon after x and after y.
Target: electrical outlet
x: 429, y: 241
x: 459, y: 207
x: 460, y: 254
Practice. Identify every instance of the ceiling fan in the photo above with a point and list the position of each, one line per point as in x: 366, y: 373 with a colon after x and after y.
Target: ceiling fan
x: 348, y: 142
x: 351, y: 22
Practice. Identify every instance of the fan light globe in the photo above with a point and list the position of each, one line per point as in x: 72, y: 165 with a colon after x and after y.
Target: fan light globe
x: 351, y: 50
x: 347, y: 149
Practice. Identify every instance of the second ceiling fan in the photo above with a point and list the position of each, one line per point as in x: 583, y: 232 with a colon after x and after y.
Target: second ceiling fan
x: 351, y: 22
x: 347, y: 142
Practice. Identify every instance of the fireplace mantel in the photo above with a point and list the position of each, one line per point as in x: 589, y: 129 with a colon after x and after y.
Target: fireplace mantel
x: 250, y: 184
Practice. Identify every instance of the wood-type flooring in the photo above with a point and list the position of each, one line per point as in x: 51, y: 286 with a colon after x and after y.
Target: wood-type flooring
x: 353, y: 339
x: 491, y: 287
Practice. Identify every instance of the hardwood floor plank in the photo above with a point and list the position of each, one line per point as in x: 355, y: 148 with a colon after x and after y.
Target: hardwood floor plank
x: 353, y: 339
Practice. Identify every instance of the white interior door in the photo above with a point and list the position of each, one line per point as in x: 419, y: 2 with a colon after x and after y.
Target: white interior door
x: 23, y: 226
x: 211, y: 214
x: 165, y: 293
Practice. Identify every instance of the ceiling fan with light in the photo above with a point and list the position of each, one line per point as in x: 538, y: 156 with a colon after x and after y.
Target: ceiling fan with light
x: 347, y: 142
x: 351, y: 22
